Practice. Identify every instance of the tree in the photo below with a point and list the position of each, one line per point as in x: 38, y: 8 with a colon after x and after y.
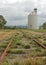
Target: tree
x: 2, y: 21
x: 44, y: 25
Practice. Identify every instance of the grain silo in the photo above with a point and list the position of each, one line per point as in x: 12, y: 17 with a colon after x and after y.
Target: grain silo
x: 33, y: 19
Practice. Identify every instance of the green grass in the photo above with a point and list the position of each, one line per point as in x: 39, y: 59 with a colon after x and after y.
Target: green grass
x: 36, y: 61
x: 21, y: 47
x: 16, y: 51
x: 42, y: 30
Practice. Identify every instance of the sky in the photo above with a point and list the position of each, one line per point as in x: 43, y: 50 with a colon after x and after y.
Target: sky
x: 16, y: 11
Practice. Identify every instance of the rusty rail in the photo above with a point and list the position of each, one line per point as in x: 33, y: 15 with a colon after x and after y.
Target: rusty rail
x: 5, y: 51
x: 35, y: 40
x: 43, y: 46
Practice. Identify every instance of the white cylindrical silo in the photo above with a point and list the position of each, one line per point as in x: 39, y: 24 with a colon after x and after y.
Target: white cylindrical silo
x: 32, y: 20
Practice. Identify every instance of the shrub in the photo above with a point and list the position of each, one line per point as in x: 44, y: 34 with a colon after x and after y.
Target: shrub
x: 38, y: 49
x: 16, y: 63
x: 5, y: 63
x: 28, y: 62
x: 18, y: 43
x: 38, y: 62
x: 27, y: 46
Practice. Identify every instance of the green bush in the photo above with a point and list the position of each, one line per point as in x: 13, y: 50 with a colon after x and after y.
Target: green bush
x: 28, y: 62
x: 38, y: 62
x: 38, y: 49
x: 18, y: 43
x: 5, y: 63
x: 16, y: 63
x: 27, y: 46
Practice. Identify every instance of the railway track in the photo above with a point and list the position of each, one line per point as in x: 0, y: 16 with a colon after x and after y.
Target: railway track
x: 35, y: 40
x: 8, y: 46
x: 43, y: 46
x: 5, y: 51
x: 6, y: 35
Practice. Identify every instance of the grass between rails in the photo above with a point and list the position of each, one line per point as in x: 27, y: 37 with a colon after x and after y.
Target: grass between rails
x: 36, y: 61
x: 42, y: 30
x: 20, y: 46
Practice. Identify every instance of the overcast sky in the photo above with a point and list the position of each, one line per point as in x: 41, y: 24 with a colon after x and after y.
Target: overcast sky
x: 16, y: 11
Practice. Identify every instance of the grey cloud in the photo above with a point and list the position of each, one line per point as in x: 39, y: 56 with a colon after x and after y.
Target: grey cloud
x: 16, y: 13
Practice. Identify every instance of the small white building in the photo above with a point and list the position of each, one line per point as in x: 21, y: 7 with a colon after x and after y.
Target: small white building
x: 33, y: 20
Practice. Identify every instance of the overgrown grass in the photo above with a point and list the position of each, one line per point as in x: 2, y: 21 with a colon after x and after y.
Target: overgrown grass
x: 41, y: 30
x: 16, y: 51
x: 34, y: 61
